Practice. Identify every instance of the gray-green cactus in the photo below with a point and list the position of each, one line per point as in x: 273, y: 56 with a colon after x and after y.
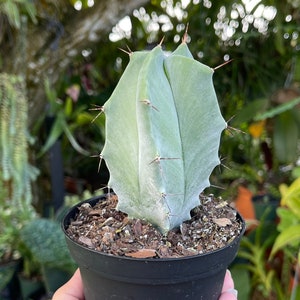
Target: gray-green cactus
x: 163, y: 127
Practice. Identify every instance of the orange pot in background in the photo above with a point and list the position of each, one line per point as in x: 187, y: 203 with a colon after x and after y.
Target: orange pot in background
x: 244, y: 205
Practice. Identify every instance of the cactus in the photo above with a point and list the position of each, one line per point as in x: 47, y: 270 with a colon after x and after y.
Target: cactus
x: 163, y: 128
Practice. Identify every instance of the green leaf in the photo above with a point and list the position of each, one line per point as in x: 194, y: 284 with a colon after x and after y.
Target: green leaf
x: 296, y: 172
x: 73, y: 141
x: 278, y: 110
x: 59, y: 127
x: 279, y: 39
x: 84, y: 118
x: 46, y: 241
x: 285, y: 137
x: 292, y: 199
x: 249, y: 112
x: 68, y: 107
x: 51, y: 95
x: 287, y: 218
x: 55, y: 133
x: 30, y: 8
x: 289, y: 236
x: 12, y: 12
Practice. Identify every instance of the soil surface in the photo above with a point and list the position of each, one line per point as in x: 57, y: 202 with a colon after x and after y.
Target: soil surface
x: 213, y: 225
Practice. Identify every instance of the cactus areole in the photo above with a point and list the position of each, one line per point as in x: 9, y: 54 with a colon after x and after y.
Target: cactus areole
x: 163, y: 128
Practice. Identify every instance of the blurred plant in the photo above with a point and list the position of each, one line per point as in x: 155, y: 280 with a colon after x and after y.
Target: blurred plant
x: 12, y: 9
x: 66, y: 118
x: 43, y: 239
x: 16, y: 173
x: 43, y: 244
x: 289, y: 230
x: 264, y: 156
x: 46, y: 242
x: 255, y: 250
x: 70, y: 119
x: 273, y: 257
x: 243, y: 163
x: 282, y: 128
x: 71, y: 200
x: 246, y: 32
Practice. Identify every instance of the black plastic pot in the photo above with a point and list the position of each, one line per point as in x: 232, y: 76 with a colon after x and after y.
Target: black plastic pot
x: 112, y: 277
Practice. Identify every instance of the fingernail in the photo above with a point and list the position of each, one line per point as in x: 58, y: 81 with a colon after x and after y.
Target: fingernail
x: 233, y: 292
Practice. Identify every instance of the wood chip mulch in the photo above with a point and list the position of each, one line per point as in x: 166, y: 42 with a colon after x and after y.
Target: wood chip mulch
x: 213, y: 225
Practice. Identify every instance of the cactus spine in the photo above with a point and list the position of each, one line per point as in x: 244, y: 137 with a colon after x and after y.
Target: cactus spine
x: 163, y: 127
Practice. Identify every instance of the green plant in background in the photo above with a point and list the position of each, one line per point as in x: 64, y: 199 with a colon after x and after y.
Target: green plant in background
x: 264, y: 155
x: 71, y: 200
x: 66, y: 118
x: 16, y: 173
x: 254, y: 251
x: 12, y: 9
x: 46, y: 243
x: 289, y: 229
x: 244, y: 162
x: 284, y: 131
x: 43, y: 244
x: 15, y: 170
x: 163, y: 127
x: 271, y: 274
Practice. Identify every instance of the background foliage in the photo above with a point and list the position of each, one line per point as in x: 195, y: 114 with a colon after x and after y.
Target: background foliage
x: 74, y: 46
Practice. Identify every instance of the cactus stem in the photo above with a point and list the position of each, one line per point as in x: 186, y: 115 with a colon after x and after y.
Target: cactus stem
x: 147, y: 102
x: 97, y: 107
x: 157, y: 160
x: 161, y: 170
x: 158, y: 137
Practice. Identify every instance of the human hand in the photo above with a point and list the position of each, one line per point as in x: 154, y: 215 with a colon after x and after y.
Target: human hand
x: 228, y: 291
x: 72, y: 290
